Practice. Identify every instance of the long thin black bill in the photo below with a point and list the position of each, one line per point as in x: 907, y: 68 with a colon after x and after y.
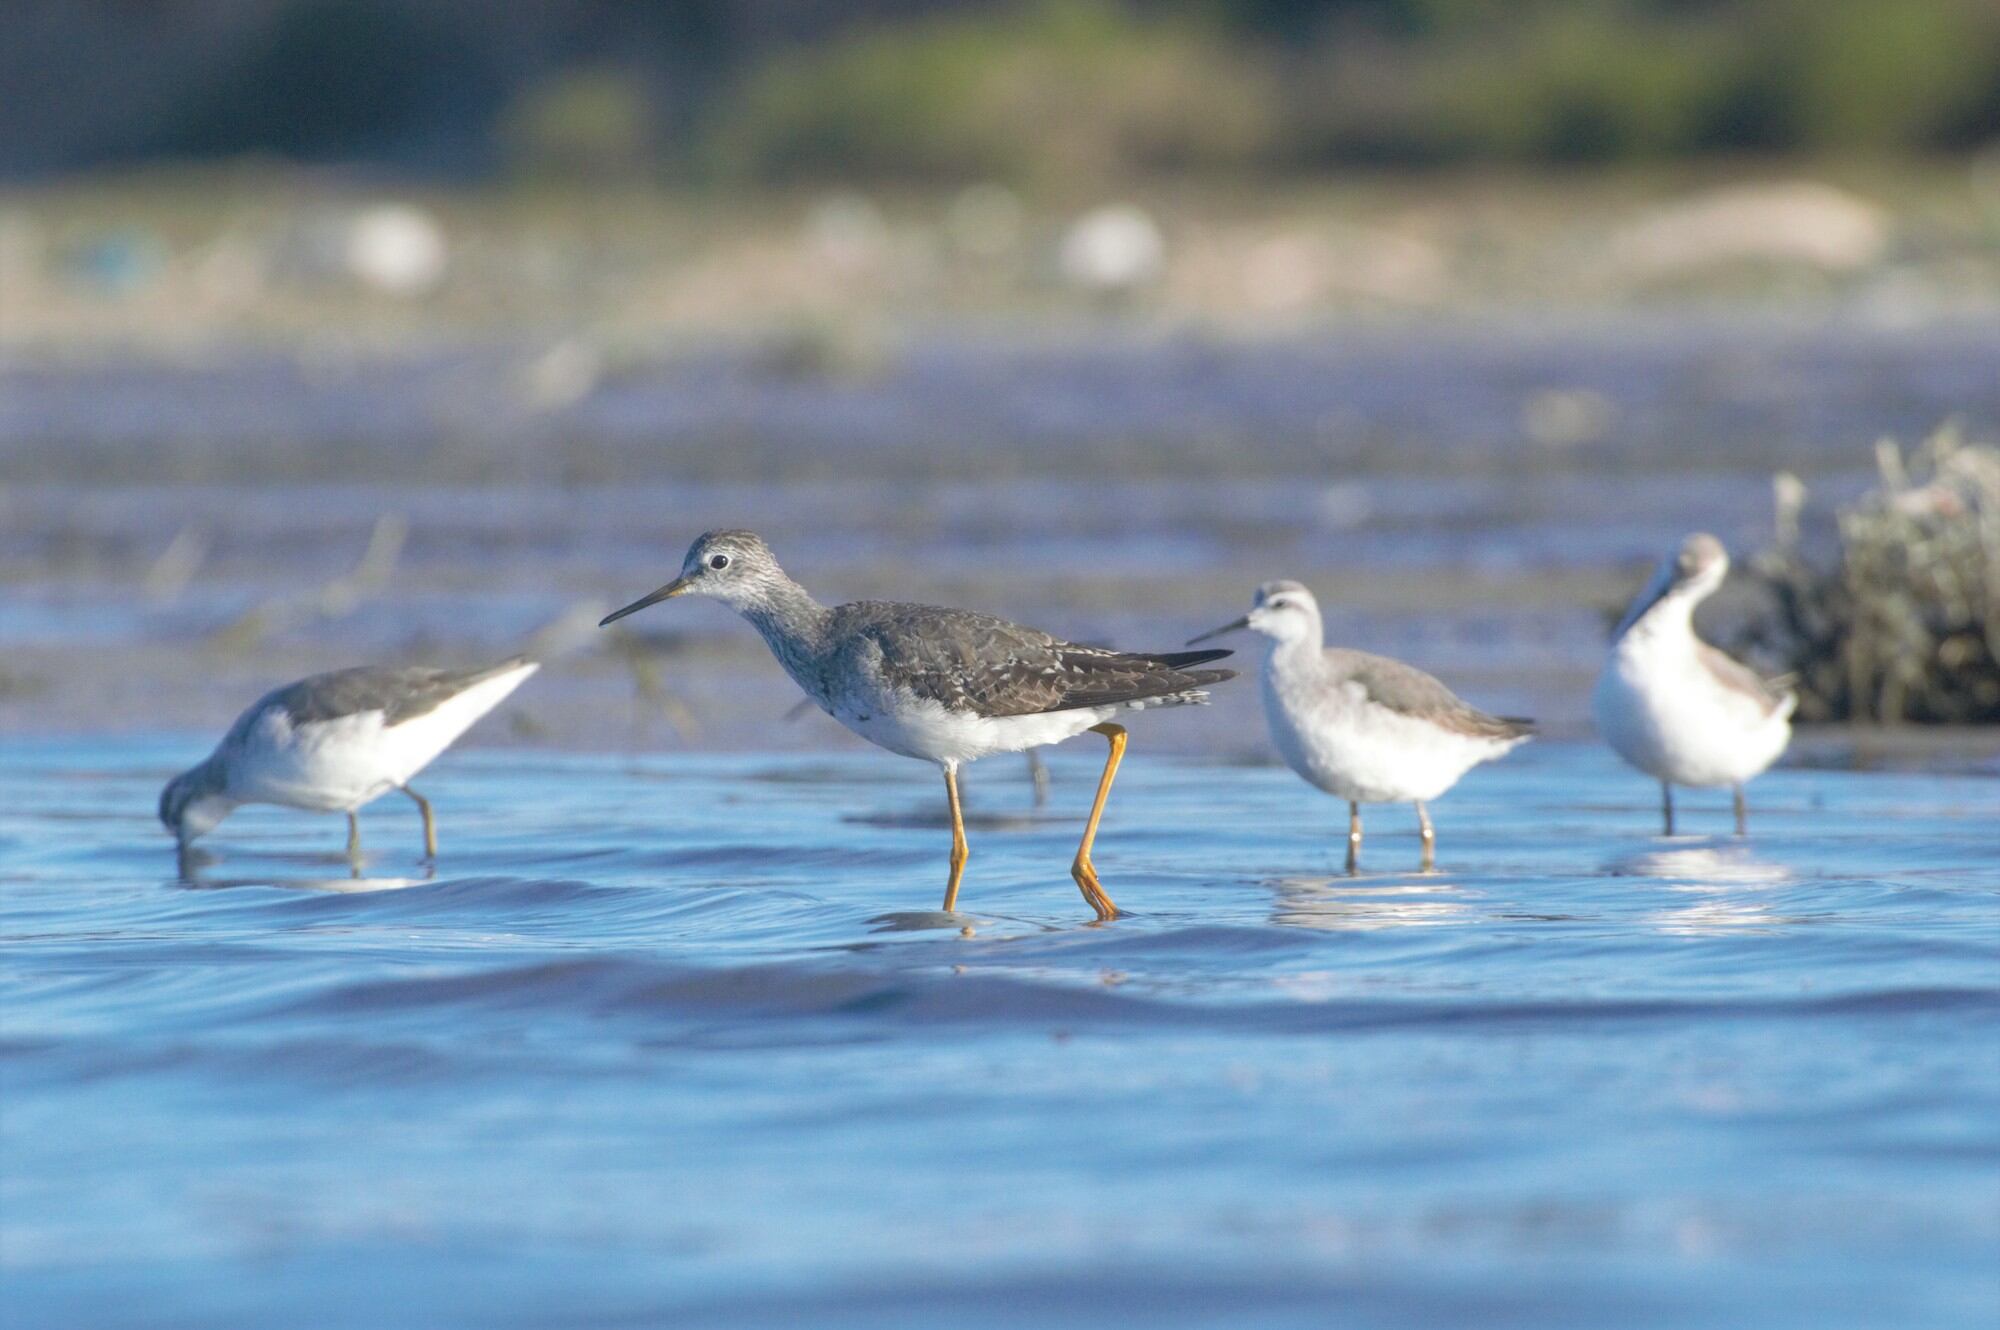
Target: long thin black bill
x: 1243, y: 622
x: 667, y: 592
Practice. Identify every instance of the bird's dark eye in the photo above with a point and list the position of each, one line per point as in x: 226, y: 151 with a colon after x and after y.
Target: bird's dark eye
x: 718, y: 561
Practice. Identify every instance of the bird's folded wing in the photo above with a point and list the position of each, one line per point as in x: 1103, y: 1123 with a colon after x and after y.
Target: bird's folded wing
x: 400, y: 693
x: 977, y: 663
x: 1409, y: 691
x: 1742, y: 681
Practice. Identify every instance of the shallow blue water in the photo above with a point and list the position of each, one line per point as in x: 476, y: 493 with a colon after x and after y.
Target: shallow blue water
x: 679, y: 1039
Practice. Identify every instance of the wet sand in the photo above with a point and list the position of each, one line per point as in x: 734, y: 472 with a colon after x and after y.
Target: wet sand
x: 1474, y: 496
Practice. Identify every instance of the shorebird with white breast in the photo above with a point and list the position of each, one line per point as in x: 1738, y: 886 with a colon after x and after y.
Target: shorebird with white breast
x: 334, y: 742
x: 1361, y: 727
x: 945, y: 685
x: 1675, y: 707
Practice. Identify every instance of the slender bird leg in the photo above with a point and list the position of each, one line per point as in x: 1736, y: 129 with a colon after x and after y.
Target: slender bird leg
x: 1429, y: 835
x: 1667, y: 806
x: 1353, y: 838
x: 959, y: 852
x: 353, y: 838
x: 1742, y: 814
x: 1038, y: 772
x: 1081, y: 868
x: 430, y: 823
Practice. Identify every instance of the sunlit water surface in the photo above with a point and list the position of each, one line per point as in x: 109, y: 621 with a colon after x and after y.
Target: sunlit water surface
x: 681, y: 1039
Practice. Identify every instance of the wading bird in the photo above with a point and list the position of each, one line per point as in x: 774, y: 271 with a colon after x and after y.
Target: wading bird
x: 1675, y: 707
x: 1364, y: 728
x: 333, y: 742
x: 944, y: 685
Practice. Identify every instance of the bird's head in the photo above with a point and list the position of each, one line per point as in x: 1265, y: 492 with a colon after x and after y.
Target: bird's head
x: 735, y: 567
x: 193, y: 804
x: 1689, y: 574
x: 1283, y: 611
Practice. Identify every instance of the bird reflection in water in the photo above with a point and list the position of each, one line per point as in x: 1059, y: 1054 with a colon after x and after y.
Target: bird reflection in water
x: 1347, y: 904
x: 1727, y: 889
x: 196, y: 868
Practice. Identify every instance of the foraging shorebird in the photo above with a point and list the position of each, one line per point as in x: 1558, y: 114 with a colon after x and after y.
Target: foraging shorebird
x: 1675, y: 707
x: 1364, y: 728
x: 333, y: 742
x: 947, y: 686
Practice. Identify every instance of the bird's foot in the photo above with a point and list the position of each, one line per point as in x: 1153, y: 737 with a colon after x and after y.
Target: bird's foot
x: 1093, y: 890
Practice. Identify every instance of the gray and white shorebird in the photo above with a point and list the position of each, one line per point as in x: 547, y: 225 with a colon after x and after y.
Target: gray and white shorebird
x: 1675, y: 707
x: 334, y: 742
x: 1364, y: 728
x: 945, y: 685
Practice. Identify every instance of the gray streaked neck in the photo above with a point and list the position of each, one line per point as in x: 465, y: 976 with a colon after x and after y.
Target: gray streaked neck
x: 791, y: 621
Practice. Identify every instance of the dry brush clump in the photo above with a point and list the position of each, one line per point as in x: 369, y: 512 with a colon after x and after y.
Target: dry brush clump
x: 1902, y: 622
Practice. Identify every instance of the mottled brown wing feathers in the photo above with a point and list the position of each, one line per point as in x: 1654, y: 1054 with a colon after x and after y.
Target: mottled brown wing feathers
x: 975, y: 662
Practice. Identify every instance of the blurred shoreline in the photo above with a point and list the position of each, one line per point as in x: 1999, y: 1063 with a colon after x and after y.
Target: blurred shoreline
x: 191, y: 491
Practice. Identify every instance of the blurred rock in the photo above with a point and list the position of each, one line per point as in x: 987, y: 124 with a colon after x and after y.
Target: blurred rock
x: 1111, y: 249
x: 847, y: 231
x: 1798, y: 222
x: 1566, y: 417
x: 396, y: 249
x: 563, y: 375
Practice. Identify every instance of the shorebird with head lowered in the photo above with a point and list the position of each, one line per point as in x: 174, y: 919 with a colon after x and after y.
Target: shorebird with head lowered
x: 333, y: 742
x: 1675, y: 707
x: 1364, y: 728
x: 944, y: 685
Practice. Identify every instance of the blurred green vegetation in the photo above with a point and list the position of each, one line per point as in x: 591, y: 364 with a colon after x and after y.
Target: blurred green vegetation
x: 1083, y: 88
x: 1029, y: 91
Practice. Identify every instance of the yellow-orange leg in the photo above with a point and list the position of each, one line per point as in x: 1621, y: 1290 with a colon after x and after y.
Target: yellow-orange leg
x: 1081, y: 868
x: 959, y: 851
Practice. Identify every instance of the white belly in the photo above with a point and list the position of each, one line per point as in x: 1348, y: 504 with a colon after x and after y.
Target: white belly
x: 327, y: 766
x: 1366, y: 753
x: 1663, y: 713
x: 924, y: 729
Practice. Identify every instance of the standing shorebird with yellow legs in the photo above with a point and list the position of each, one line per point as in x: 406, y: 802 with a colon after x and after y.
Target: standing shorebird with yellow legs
x: 944, y: 685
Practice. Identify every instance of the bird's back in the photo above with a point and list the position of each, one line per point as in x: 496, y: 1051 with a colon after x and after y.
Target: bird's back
x: 972, y: 662
x: 333, y: 738
x: 1408, y: 691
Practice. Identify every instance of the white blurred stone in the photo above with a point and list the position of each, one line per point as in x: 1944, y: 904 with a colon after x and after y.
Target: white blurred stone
x: 563, y: 375
x: 1802, y: 222
x: 1344, y: 506
x: 847, y: 230
x: 1114, y: 248
x: 396, y: 249
x: 1567, y: 417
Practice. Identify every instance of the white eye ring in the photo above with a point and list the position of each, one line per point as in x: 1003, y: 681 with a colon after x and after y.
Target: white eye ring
x: 718, y: 561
